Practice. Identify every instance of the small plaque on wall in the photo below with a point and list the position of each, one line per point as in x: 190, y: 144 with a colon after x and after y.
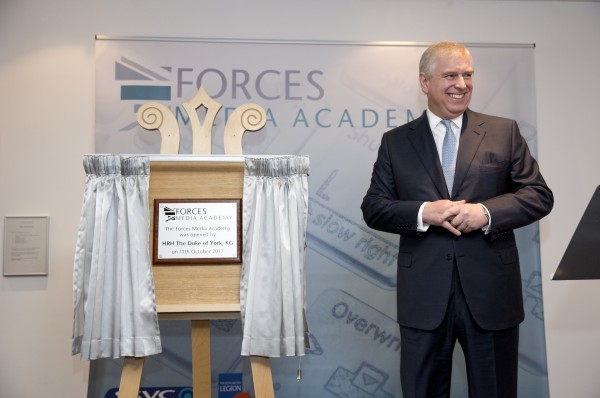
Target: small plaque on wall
x: 197, y: 231
x: 26, y: 246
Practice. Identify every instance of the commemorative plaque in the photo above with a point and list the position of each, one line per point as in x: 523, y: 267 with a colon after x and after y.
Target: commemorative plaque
x: 197, y: 231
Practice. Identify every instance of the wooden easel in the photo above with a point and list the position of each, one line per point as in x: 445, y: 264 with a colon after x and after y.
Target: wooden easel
x: 198, y: 293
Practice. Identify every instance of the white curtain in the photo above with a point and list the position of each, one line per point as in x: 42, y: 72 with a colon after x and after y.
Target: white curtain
x: 113, y: 287
x: 272, y: 286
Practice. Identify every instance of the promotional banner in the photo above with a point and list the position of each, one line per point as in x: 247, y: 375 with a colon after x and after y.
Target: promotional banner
x: 331, y: 101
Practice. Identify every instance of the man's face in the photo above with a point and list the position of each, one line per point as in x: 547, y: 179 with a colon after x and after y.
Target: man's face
x: 449, y: 88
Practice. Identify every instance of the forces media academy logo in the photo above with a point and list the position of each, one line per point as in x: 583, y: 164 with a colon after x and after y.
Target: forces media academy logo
x: 141, y: 84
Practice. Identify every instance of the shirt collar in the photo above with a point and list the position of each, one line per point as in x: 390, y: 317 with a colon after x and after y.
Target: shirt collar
x: 434, y: 120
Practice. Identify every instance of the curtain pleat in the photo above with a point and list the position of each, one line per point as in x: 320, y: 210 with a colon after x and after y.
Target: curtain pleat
x: 113, y: 287
x: 272, y: 285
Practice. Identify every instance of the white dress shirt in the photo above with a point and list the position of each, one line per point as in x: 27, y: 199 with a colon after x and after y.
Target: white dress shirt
x: 439, y: 131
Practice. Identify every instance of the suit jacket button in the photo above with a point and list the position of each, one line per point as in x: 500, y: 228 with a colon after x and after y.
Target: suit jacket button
x: 449, y: 256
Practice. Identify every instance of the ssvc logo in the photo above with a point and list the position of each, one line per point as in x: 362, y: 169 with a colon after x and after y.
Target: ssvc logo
x: 156, y: 392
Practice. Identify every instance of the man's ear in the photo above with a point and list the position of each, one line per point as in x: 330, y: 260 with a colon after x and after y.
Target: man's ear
x: 424, y: 82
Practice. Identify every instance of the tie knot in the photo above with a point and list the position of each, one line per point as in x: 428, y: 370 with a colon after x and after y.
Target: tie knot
x: 448, y: 124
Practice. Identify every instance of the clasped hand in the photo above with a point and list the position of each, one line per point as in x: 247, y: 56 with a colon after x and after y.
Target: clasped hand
x: 456, y: 216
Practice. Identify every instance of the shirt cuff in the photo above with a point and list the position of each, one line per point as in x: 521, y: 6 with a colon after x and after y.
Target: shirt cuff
x: 421, y: 226
x: 486, y: 228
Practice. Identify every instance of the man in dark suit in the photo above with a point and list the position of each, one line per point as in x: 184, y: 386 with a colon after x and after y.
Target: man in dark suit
x: 458, y: 267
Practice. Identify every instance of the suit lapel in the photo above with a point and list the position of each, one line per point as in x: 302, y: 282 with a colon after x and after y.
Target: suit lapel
x: 422, y: 140
x: 471, y: 135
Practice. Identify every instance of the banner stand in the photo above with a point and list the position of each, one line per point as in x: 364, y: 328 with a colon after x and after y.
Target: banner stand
x: 207, y: 291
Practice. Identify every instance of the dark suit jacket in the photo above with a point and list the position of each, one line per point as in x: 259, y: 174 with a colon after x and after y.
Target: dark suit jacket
x: 494, y: 167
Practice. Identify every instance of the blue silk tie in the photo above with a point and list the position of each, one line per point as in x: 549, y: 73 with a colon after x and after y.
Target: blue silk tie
x: 449, y: 155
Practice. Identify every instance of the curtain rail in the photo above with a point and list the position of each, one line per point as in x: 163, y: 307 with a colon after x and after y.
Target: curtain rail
x: 313, y: 42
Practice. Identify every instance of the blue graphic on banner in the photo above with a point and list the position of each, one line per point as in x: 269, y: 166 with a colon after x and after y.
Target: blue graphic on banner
x: 147, y: 93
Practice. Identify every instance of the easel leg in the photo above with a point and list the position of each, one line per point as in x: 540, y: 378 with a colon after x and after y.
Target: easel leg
x: 131, y: 377
x: 262, y: 377
x: 201, y: 359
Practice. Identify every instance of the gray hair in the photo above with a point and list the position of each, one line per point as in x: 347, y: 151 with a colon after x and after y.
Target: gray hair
x: 427, y: 63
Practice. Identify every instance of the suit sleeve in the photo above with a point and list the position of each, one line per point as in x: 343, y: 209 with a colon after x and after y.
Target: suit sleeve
x: 382, y: 208
x: 527, y: 199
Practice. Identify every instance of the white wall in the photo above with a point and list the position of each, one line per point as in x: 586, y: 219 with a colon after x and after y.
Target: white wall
x: 47, y: 124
